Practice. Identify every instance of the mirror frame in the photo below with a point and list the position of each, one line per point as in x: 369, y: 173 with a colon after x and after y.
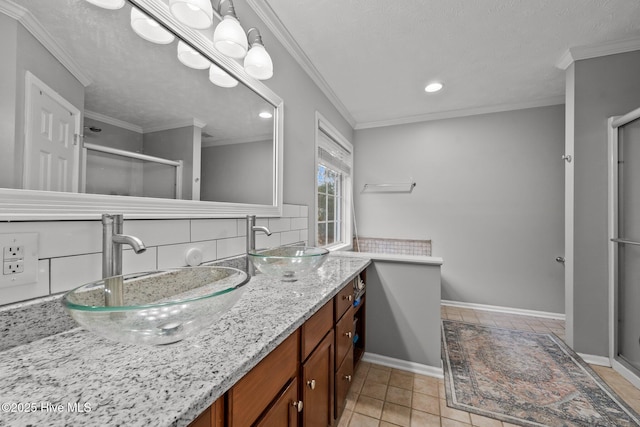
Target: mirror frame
x: 30, y: 205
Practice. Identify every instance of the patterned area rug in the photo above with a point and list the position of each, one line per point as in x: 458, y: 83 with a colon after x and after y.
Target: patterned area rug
x: 525, y: 378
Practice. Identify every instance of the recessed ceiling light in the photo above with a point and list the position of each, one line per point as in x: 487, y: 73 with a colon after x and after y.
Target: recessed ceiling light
x: 265, y: 115
x: 433, y: 87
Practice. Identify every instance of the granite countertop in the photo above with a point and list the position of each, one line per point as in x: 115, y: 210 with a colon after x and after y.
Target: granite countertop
x: 77, y: 378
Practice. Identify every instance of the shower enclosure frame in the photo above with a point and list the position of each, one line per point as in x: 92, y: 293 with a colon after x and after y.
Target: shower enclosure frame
x: 614, y: 124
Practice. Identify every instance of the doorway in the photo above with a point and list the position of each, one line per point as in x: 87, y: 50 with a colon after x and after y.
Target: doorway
x: 51, y: 149
x: 624, y: 245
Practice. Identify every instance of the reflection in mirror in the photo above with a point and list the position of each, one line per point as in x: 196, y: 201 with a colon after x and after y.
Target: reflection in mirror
x: 97, y: 109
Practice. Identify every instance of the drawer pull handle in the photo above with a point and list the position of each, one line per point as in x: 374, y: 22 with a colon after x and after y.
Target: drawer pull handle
x: 298, y: 405
x: 312, y: 384
x: 348, y: 334
x: 348, y: 297
x: 348, y: 378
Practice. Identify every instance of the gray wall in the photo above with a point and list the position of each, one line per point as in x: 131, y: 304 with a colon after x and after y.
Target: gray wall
x: 603, y: 87
x: 302, y: 98
x: 489, y: 194
x: 108, y: 173
x: 403, y: 312
x: 240, y: 173
x: 171, y: 144
x: 21, y: 52
x: 8, y: 35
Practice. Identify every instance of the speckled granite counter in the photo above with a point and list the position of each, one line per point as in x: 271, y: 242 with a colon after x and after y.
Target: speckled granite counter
x: 110, y: 384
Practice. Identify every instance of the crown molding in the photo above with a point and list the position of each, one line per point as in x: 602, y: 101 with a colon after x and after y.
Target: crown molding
x: 208, y: 142
x: 577, y: 53
x: 175, y: 125
x: 111, y: 121
x: 268, y: 16
x: 31, y: 24
x: 545, y: 102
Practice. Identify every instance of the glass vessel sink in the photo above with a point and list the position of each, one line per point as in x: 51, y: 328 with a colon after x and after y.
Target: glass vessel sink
x: 159, y: 307
x: 288, y: 262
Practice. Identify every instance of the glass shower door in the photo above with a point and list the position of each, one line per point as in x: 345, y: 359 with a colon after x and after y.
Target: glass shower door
x: 628, y: 259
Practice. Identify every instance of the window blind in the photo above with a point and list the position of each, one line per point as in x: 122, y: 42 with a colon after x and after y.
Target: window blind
x: 333, y: 154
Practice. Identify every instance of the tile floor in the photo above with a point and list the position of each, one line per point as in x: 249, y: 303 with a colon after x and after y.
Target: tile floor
x: 385, y: 397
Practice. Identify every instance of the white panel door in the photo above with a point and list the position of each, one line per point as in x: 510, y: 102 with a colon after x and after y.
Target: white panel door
x: 52, y: 154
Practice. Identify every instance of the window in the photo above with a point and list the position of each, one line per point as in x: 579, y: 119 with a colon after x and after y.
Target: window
x: 333, y: 187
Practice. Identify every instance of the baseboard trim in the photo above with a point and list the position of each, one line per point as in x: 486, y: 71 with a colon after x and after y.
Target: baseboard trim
x: 625, y: 372
x: 592, y: 359
x: 506, y: 310
x: 416, y: 368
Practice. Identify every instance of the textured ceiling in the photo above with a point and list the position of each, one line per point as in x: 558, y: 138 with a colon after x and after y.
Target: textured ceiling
x: 377, y: 56
x: 143, y: 83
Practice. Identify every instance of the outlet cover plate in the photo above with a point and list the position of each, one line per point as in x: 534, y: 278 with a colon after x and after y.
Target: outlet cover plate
x: 29, y: 244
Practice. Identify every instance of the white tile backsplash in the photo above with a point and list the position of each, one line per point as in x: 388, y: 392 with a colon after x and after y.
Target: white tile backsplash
x: 279, y: 224
x: 231, y: 247
x: 33, y: 290
x: 299, y: 223
x: 60, y: 238
x: 133, y: 262
x: 289, y: 237
x: 263, y: 241
x: 159, y: 231
x: 175, y: 255
x: 290, y: 211
x: 210, y: 229
x: 70, y: 251
x: 73, y: 271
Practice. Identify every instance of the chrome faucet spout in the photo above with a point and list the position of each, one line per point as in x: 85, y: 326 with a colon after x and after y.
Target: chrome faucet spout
x: 112, y: 241
x: 136, y: 244
x: 262, y: 228
x: 251, y: 240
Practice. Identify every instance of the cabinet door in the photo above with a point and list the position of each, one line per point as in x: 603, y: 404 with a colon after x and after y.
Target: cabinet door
x: 284, y: 411
x: 253, y: 394
x: 317, y: 385
x: 212, y: 416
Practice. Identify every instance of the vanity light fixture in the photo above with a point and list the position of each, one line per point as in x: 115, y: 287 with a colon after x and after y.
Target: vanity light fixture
x: 107, y: 4
x: 149, y: 29
x: 221, y: 78
x: 265, y: 115
x: 433, y: 87
x: 191, y: 58
x: 257, y: 63
x: 196, y: 14
x: 229, y: 37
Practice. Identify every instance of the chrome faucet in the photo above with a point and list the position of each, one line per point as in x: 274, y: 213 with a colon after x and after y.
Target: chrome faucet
x: 251, y: 240
x: 112, y: 241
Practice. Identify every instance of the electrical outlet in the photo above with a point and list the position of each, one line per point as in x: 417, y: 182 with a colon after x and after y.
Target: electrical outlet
x: 13, y: 252
x: 13, y: 267
x: 19, y: 259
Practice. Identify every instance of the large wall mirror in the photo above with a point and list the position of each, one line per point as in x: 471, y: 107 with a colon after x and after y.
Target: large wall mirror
x: 93, y: 118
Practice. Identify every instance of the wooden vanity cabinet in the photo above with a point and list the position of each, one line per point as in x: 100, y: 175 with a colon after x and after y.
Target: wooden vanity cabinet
x: 317, y: 355
x: 284, y: 411
x: 212, y: 417
x: 259, y: 391
x: 305, y: 380
x: 343, y: 315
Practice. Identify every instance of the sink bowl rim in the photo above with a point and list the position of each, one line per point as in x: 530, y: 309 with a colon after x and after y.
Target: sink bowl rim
x: 264, y: 253
x: 125, y: 308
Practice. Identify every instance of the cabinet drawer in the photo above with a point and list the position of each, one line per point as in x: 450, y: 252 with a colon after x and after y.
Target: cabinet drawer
x: 316, y: 328
x: 344, y: 300
x: 344, y: 336
x: 255, y: 391
x: 344, y: 376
